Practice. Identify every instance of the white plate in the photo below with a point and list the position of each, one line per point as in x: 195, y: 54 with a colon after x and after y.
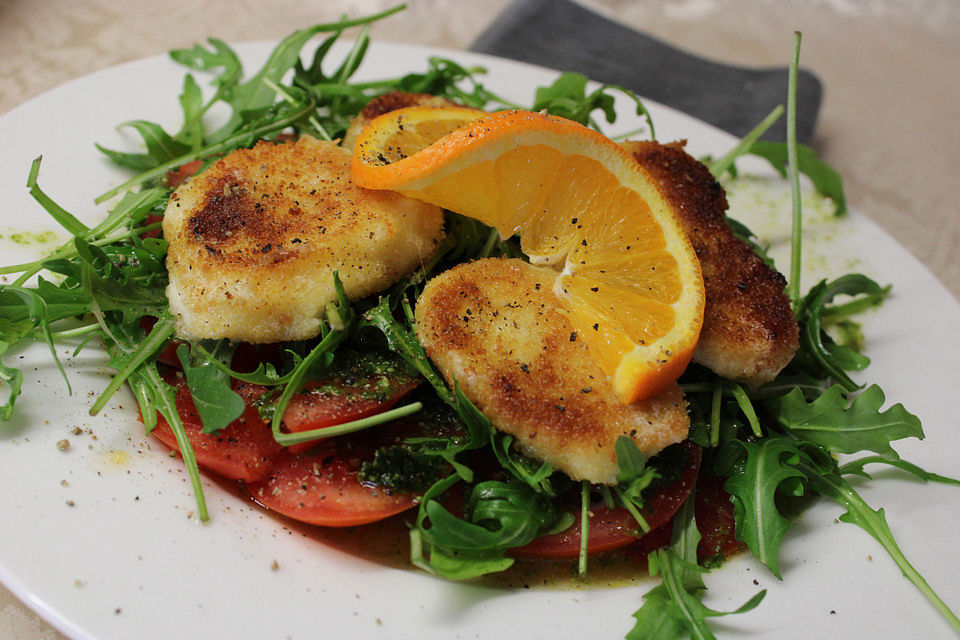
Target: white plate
x: 128, y: 560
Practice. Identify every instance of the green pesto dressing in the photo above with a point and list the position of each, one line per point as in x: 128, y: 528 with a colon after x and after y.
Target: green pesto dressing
x: 366, y: 376
x: 28, y: 238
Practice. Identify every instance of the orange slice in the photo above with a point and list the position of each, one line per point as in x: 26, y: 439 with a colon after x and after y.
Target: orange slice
x: 627, y: 274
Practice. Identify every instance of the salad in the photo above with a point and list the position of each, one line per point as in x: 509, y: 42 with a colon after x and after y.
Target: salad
x: 763, y: 442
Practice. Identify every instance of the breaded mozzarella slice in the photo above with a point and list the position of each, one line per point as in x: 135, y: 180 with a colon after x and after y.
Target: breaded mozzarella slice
x: 255, y: 240
x: 496, y: 327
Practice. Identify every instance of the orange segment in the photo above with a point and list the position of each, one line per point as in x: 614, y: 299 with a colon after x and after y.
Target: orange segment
x: 628, y: 277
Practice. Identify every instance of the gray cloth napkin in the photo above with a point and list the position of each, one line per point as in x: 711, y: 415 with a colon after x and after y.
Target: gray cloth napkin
x: 566, y: 36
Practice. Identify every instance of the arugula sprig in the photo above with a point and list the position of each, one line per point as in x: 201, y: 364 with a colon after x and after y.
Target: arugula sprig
x: 633, y: 478
x: 567, y: 97
x: 217, y: 404
x: 341, y: 324
x: 839, y: 427
x: 800, y: 466
x: 674, y: 608
x: 255, y: 112
x: 820, y: 354
x: 501, y: 515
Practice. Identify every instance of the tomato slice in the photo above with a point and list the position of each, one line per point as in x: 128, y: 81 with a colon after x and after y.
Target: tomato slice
x: 612, y: 529
x: 365, y: 386
x: 713, y: 511
x: 323, y: 487
x: 714, y: 514
x: 320, y: 487
x: 178, y: 176
x: 243, y: 450
x: 152, y: 218
x: 656, y: 539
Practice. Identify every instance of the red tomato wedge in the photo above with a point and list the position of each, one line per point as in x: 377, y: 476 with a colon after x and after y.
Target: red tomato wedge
x: 323, y: 487
x: 243, y: 450
x: 612, y: 529
x: 363, y: 388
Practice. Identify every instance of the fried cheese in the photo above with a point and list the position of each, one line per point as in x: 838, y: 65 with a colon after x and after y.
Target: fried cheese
x: 749, y: 330
x: 496, y: 328
x: 256, y: 238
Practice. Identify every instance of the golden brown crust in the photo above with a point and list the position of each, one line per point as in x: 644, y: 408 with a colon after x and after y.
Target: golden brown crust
x: 255, y: 239
x: 496, y: 327
x: 385, y: 104
x: 749, y: 330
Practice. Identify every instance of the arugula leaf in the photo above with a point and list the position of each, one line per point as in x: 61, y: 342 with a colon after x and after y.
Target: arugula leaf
x: 191, y: 102
x: 161, y: 147
x: 135, y: 289
x: 219, y: 56
x: 59, y: 302
x: 217, y: 404
x: 250, y: 98
x: 826, y: 180
x: 306, y: 76
x: 63, y: 217
x: 127, y: 347
x: 823, y: 476
x: 746, y: 407
x: 781, y: 461
x: 567, y: 97
x: 453, y: 565
x: 320, y: 357
x: 753, y: 482
x: 726, y: 163
x: 133, y: 161
x: 258, y: 126
x: 534, y: 473
x: 630, y: 460
x: 101, y: 281
x: 11, y: 333
x: 673, y: 609
x: 402, y: 340
x: 684, y: 542
x: 133, y: 351
x: 633, y: 477
x: 443, y: 78
x: 836, y: 313
x: 817, y: 348
x: 829, y: 422
x: 856, y: 467
x: 501, y: 515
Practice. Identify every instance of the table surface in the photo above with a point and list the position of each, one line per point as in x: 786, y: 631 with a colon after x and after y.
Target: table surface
x: 888, y: 68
